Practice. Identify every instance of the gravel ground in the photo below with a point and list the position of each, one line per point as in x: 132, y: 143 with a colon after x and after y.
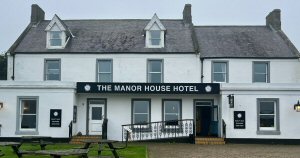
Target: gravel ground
x: 165, y: 150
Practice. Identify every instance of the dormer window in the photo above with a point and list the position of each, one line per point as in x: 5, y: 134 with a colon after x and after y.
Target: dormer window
x: 155, y: 33
x: 55, y: 38
x: 58, y: 34
x: 155, y: 37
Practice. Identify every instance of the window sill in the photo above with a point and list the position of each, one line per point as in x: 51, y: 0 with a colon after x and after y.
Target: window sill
x: 27, y: 133
x: 268, y: 132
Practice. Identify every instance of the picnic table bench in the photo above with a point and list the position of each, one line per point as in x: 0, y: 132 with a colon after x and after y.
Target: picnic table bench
x: 39, y: 140
x: 56, y: 153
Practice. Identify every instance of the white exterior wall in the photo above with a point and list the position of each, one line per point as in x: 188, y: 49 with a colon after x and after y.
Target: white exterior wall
x: 119, y: 109
x: 126, y: 67
x: 246, y: 100
x: 48, y: 98
x: 240, y: 70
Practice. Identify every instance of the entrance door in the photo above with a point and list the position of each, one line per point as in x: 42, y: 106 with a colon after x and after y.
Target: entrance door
x: 203, y: 120
x: 96, y: 116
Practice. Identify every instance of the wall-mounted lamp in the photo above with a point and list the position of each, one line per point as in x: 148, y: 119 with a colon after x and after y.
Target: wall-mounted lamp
x: 1, y: 105
x: 297, y: 107
x: 231, y: 100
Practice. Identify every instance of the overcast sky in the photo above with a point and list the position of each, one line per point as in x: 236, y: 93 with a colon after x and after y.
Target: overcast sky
x: 15, y: 14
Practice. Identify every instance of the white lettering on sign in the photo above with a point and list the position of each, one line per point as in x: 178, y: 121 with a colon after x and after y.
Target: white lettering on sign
x: 104, y: 87
x: 185, y: 88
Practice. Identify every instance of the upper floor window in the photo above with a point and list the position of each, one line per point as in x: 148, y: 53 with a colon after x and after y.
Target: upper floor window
x: 55, y: 38
x: 155, y: 32
x: 104, y: 70
x: 268, y: 116
x: 261, y: 72
x: 58, y: 34
x: 52, y: 69
x: 155, y: 71
x: 220, y: 72
x: 155, y: 37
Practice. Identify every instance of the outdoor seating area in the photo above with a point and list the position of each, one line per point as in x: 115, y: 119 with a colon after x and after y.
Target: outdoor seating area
x: 39, y: 147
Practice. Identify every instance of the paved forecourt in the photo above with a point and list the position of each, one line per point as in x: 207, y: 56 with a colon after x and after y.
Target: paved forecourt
x: 165, y: 150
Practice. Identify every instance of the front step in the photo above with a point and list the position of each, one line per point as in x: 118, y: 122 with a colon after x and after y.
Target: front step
x: 80, y: 139
x: 209, y: 141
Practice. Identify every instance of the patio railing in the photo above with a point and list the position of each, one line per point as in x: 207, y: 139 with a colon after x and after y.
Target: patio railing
x: 158, y: 130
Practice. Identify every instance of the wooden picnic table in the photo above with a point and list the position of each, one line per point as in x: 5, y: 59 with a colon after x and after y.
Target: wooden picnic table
x: 59, y: 153
x: 40, y: 140
x: 14, y: 145
x: 101, y: 143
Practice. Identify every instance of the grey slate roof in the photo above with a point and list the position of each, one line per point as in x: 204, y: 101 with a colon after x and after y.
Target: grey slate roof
x: 104, y: 36
x: 242, y: 42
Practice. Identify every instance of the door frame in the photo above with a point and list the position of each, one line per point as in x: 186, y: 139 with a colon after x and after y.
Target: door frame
x: 212, y: 105
x: 88, y: 112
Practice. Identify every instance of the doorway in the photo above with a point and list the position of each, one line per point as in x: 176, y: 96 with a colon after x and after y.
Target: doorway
x: 96, y: 114
x: 206, y: 118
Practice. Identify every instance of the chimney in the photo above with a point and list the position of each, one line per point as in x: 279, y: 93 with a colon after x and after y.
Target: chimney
x: 273, y: 19
x: 187, y: 15
x: 37, y: 14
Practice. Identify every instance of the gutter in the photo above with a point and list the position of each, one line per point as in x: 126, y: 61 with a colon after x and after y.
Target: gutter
x: 202, y: 76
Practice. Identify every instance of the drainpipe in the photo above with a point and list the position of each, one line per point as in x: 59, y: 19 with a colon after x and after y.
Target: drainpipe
x: 13, y: 75
x: 202, y: 76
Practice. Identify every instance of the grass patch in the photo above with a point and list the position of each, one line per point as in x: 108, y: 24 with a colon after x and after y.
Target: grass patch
x: 132, y: 151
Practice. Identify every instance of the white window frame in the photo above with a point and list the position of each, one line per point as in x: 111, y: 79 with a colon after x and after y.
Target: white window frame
x: 19, y: 130
x: 226, y: 71
x: 148, y: 113
x: 98, y: 70
x: 269, y: 130
x: 149, y: 72
x: 267, y: 74
x: 46, y: 69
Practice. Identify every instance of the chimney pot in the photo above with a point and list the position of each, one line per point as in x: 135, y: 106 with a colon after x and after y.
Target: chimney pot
x: 37, y: 14
x: 187, y: 14
x: 274, y: 19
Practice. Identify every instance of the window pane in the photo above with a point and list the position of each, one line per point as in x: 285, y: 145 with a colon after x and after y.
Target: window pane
x: 155, y: 78
x: 172, y: 107
x: 220, y: 67
x: 219, y: 77
x: 267, y: 121
x: 52, y: 64
x: 260, y: 78
x: 155, y: 41
x: 141, y: 107
x: 28, y: 121
x: 169, y: 117
x: 96, y: 113
x: 28, y: 106
x: 52, y: 77
x: 267, y: 108
x: 104, y: 66
x: 140, y: 118
x: 155, y: 66
x: 155, y: 34
x: 55, y: 42
x: 260, y: 68
x: 55, y: 34
x: 105, y: 77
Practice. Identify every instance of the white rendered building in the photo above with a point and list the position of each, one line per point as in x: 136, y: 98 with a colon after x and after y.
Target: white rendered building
x: 163, y: 78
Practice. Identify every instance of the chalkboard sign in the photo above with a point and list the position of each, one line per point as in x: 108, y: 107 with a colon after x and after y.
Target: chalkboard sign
x: 55, y: 117
x: 239, y: 120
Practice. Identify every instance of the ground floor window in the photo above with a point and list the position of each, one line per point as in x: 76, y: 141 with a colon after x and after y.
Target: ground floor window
x: 171, y: 110
x: 27, y: 117
x: 141, y: 111
x: 268, y: 116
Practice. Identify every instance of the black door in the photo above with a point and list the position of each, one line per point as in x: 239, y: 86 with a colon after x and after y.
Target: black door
x: 203, y: 120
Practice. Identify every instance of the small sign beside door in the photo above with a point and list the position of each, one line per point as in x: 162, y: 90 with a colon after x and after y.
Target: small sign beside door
x: 239, y: 120
x: 55, y: 117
